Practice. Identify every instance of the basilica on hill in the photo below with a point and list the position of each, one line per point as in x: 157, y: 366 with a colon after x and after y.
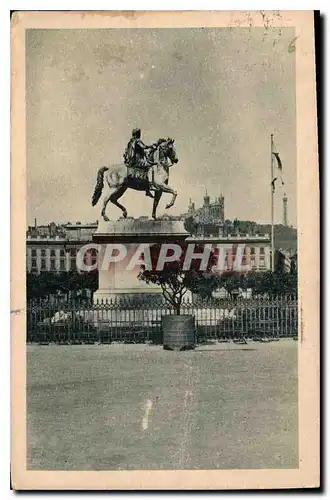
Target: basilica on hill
x: 210, y: 213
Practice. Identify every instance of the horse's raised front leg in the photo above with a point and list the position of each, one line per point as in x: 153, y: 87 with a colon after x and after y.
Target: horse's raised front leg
x: 166, y: 189
x: 158, y: 195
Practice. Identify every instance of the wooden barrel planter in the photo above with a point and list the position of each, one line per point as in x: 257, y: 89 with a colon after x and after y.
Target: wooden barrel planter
x: 178, y: 332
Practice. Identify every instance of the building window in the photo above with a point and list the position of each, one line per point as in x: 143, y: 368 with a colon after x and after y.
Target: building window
x: 62, y: 265
x: 73, y: 254
x: 52, y: 253
x: 52, y: 265
x: 62, y: 253
x: 262, y: 251
x: 93, y: 252
x: 253, y: 251
x: 245, y: 258
x: 34, y: 264
x: 88, y: 258
x: 34, y: 252
x: 43, y: 253
x: 262, y: 262
x: 43, y: 264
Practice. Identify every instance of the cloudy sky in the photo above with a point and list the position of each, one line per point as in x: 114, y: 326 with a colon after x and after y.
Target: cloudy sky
x: 219, y: 92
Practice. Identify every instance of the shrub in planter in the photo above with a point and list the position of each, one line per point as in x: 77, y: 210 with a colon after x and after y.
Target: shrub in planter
x: 175, y: 281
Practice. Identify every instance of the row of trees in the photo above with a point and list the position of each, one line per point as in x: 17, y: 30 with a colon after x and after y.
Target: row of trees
x: 47, y: 283
x: 174, y: 283
x: 272, y: 284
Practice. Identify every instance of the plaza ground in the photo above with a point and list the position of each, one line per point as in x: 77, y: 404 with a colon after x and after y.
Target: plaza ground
x: 121, y: 406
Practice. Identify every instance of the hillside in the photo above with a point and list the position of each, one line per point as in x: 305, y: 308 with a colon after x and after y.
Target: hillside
x: 285, y: 236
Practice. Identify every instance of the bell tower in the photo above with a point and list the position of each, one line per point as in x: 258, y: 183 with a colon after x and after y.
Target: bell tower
x: 191, y: 207
x: 206, y: 199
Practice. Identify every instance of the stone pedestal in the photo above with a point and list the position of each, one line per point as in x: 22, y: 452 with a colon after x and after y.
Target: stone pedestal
x: 116, y: 282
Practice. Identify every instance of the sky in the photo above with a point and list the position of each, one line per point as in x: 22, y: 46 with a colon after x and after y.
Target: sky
x: 219, y: 92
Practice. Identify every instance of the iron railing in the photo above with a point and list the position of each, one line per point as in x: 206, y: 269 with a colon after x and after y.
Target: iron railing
x: 140, y: 320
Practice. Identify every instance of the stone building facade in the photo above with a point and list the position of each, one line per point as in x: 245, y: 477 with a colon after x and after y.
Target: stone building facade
x: 53, y: 248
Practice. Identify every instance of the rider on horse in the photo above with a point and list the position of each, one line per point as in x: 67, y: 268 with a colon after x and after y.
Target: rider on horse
x: 136, y: 154
x: 120, y: 177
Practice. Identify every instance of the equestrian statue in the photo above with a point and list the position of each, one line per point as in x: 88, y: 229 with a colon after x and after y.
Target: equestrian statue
x: 145, y: 168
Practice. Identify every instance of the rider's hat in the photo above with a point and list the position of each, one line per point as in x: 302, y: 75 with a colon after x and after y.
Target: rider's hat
x: 136, y: 132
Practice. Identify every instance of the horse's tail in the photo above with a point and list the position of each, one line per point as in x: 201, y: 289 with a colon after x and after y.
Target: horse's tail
x: 99, y: 185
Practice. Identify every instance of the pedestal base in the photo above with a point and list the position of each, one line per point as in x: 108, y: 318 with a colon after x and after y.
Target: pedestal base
x: 116, y: 282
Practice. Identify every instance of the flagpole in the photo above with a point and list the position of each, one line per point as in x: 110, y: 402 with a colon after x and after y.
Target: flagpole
x: 272, y: 204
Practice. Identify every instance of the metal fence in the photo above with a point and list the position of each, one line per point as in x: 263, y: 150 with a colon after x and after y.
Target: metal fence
x: 139, y: 321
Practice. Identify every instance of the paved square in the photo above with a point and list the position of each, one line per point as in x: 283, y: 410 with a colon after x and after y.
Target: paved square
x: 139, y: 407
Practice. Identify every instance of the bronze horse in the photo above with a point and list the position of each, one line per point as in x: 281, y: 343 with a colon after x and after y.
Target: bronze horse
x: 120, y: 177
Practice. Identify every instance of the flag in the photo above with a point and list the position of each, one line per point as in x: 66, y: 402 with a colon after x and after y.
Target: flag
x: 278, y: 171
x: 279, y: 163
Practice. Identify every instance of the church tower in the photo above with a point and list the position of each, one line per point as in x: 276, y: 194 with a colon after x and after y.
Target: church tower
x: 191, y: 207
x: 206, y: 199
